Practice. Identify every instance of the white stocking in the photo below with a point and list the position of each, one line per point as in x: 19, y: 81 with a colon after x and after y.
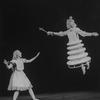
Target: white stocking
x: 32, y: 94
x: 15, y: 96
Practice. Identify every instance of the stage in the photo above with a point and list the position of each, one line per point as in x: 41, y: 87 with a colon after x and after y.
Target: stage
x: 61, y: 96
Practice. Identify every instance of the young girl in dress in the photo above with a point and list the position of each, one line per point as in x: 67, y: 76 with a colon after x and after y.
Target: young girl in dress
x: 18, y: 80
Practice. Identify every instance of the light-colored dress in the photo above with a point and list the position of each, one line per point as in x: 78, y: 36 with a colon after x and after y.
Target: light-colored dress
x: 77, y: 54
x: 19, y: 80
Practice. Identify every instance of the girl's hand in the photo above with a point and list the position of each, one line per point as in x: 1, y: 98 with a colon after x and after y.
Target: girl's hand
x: 5, y: 62
x: 38, y: 54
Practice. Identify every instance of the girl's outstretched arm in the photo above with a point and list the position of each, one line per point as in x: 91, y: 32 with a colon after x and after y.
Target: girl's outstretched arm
x: 30, y: 60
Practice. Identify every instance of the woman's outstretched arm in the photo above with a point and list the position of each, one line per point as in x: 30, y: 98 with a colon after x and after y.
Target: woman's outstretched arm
x: 83, y: 33
x: 61, y: 33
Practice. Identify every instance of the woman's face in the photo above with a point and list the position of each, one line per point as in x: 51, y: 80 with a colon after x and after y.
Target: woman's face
x: 70, y: 25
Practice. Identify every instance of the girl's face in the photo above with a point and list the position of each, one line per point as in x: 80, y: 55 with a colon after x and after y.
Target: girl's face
x: 20, y: 54
x: 17, y: 54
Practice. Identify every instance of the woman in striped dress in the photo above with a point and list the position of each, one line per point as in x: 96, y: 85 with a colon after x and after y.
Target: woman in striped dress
x: 77, y: 57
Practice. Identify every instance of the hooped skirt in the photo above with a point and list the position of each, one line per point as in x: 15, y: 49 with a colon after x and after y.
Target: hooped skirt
x: 19, y: 81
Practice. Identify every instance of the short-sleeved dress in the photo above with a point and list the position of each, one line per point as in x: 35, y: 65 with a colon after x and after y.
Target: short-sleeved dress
x: 19, y: 80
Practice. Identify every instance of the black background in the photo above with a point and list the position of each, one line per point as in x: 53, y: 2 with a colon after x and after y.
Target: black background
x: 19, y: 23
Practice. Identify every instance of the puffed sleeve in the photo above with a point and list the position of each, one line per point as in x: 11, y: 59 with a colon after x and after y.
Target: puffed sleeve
x: 10, y: 65
x: 83, y: 33
x: 24, y: 60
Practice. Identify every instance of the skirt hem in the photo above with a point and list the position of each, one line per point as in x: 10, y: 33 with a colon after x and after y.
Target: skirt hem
x: 19, y: 88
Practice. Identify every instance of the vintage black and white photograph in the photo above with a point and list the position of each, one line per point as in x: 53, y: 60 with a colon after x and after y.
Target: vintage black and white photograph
x: 49, y: 50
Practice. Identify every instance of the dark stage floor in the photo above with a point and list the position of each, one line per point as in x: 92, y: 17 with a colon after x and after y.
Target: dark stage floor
x: 61, y: 96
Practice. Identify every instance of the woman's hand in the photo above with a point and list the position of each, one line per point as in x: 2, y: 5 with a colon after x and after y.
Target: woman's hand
x: 50, y: 33
x: 95, y: 33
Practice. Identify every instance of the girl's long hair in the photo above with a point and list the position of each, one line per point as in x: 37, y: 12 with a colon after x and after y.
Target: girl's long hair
x: 16, y: 54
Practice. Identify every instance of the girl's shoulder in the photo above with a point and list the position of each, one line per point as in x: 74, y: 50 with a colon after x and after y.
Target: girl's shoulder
x: 23, y: 59
x: 13, y: 61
